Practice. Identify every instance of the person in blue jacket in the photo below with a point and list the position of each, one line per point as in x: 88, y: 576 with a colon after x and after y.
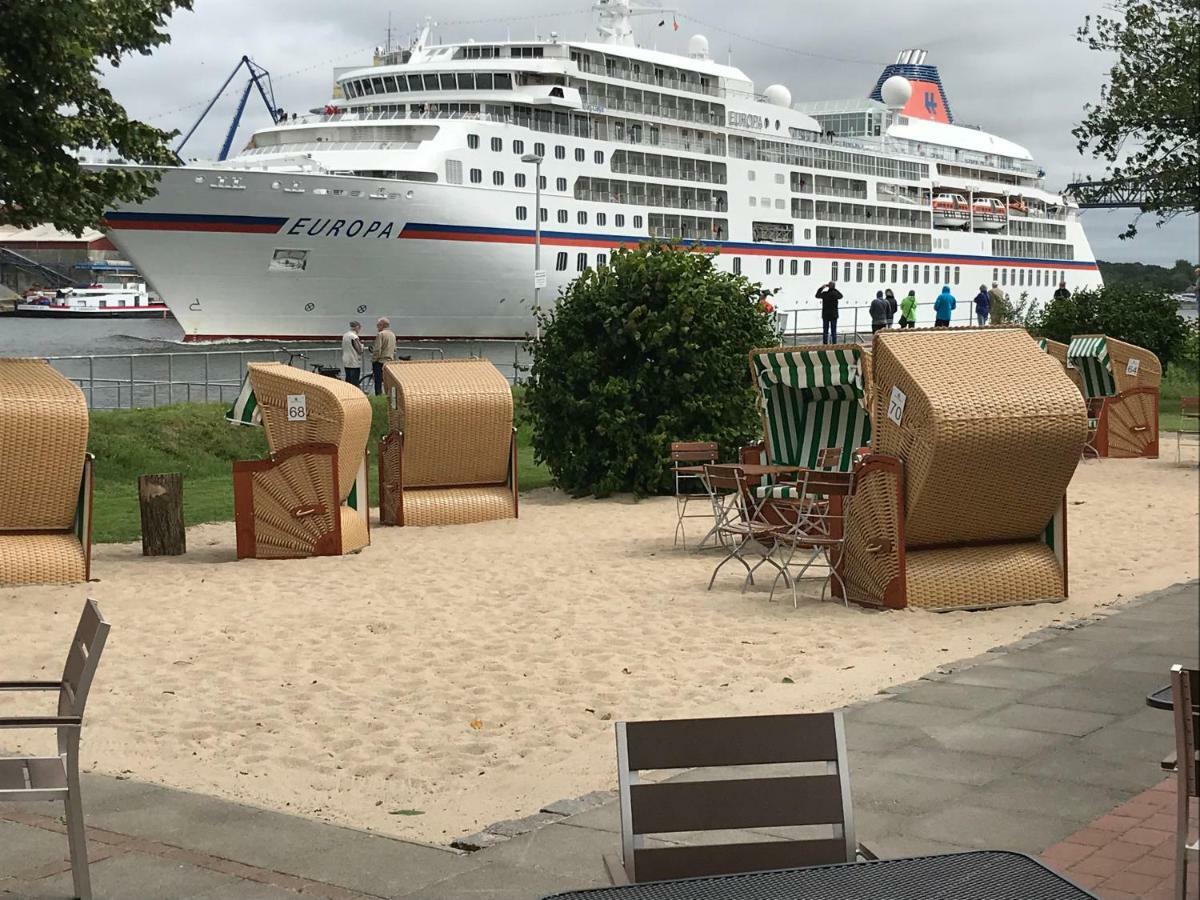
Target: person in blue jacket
x: 983, y: 305
x: 943, y: 306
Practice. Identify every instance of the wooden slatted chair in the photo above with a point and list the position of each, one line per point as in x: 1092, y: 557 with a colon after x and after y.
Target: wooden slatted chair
x: 57, y: 777
x: 814, y: 797
x: 1183, y: 683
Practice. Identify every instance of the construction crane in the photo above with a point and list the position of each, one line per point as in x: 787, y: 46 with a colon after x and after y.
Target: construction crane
x: 258, y: 77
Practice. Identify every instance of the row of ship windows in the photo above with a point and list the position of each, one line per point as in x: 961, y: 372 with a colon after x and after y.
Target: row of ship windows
x: 1025, y: 278
x: 539, y: 149
x: 581, y: 217
x: 581, y: 261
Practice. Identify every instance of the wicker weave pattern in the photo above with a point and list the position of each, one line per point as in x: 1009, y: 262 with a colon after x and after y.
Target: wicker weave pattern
x: 983, y: 577
x: 355, y: 534
x: 1132, y: 425
x: 43, y: 439
x: 458, y: 506
x: 298, y: 482
x: 872, y: 551
x: 41, y: 559
x: 337, y: 413
x: 1058, y: 351
x: 456, y: 417
x: 990, y: 436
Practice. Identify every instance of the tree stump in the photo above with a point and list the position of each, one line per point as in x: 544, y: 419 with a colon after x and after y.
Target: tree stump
x: 161, y: 500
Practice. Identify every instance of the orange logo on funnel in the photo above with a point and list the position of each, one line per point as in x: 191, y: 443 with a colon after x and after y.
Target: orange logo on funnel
x: 926, y: 102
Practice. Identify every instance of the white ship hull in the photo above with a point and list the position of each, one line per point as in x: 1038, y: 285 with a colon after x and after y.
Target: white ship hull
x: 436, y: 266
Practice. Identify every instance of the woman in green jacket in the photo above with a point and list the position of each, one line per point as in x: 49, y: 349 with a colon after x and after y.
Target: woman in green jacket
x: 908, y: 310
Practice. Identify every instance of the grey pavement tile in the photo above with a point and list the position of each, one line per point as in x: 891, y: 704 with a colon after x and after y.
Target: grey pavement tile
x: 900, y: 711
x: 1048, y: 719
x: 1085, y: 699
x: 874, y: 737
x: 496, y: 881
x: 973, y: 737
x: 23, y: 849
x: 1155, y: 721
x: 1035, y: 795
x: 931, y: 761
x: 576, y: 854
x: 602, y: 818
x: 1007, y: 677
x: 1153, y: 663
x: 961, y: 696
x: 906, y: 793
x: 1126, y: 744
x: 1059, y: 657
x: 1069, y: 765
x: 248, y: 890
x: 134, y: 876
x: 987, y: 827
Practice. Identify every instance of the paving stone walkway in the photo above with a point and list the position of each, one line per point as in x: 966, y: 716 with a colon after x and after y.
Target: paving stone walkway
x: 1022, y: 749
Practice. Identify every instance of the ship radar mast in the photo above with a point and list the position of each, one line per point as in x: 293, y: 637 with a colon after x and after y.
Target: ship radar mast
x: 615, y: 26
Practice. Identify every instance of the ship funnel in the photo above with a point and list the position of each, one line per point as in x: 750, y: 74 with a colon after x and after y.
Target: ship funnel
x: 928, y: 100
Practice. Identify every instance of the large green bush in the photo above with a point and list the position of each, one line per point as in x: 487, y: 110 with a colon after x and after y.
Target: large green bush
x: 650, y: 349
x: 1148, y: 317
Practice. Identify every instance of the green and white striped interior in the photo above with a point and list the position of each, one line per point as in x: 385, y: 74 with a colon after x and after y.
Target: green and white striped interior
x: 812, y: 399
x: 245, y: 409
x: 1090, y: 356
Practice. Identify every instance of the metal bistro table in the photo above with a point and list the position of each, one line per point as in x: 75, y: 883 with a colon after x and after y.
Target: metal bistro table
x: 976, y: 875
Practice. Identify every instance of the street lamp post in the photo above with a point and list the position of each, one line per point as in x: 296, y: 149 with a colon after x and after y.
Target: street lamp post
x: 538, y: 275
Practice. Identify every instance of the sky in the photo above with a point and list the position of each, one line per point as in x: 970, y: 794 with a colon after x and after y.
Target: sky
x: 1013, y: 68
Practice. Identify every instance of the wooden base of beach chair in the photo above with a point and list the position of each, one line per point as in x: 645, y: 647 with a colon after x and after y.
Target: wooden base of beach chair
x: 1127, y: 425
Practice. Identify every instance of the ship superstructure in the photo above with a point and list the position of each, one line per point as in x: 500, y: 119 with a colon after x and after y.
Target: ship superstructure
x: 408, y: 194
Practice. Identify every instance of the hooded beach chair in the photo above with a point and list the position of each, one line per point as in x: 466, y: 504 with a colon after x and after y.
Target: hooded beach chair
x: 1058, y: 350
x: 450, y: 454
x: 45, y: 476
x: 963, y: 503
x: 1120, y: 382
x: 814, y: 406
x: 310, y: 498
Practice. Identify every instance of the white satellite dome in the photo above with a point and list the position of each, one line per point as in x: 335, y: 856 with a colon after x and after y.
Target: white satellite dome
x: 896, y: 92
x: 778, y: 95
x: 698, y: 46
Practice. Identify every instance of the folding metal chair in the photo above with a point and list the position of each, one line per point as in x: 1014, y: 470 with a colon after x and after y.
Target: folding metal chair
x: 740, y: 524
x: 688, y: 459
x: 818, y: 527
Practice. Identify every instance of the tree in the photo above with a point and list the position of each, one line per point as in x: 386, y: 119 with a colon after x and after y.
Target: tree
x: 1143, y: 316
x: 1147, y: 123
x: 650, y: 349
x: 52, y: 105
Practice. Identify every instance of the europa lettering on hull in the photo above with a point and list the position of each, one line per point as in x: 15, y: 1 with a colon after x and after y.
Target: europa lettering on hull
x: 409, y: 198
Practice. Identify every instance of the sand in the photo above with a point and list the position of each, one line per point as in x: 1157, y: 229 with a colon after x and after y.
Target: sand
x: 473, y: 673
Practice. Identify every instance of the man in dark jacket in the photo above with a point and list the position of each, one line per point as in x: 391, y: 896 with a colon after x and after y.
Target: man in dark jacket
x: 879, y: 312
x: 829, y: 296
x: 1062, y: 293
x: 983, y: 306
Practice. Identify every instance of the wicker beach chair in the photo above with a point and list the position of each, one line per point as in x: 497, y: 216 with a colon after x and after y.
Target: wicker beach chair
x: 1058, y: 350
x: 813, y: 400
x: 310, y: 498
x: 45, y: 476
x: 450, y: 455
x: 962, y: 504
x: 1120, y: 383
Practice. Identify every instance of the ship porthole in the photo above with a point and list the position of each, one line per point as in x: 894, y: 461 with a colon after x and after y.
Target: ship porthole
x: 409, y: 195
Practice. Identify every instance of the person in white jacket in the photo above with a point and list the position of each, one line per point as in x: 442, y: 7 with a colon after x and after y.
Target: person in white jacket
x: 352, y: 353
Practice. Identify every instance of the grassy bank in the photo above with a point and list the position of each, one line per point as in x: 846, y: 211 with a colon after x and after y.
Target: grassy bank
x: 196, y: 440
x: 1181, y: 381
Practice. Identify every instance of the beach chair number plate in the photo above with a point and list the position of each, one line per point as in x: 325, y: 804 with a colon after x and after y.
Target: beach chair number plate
x: 896, y: 405
x: 297, y: 408
x: 1131, y: 368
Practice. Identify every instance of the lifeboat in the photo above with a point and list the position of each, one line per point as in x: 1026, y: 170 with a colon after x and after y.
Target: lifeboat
x: 950, y: 211
x: 1017, y: 206
x: 988, y: 214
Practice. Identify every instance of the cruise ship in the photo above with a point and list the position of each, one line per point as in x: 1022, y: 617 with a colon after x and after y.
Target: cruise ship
x: 414, y: 192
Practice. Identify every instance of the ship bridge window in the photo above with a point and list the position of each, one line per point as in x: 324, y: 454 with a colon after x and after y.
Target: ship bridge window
x: 526, y: 52
x: 431, y: 82
x: 502, y: 81
x: 401, y: 83
x: 415, y: 84
x: 483, y: 81
x: 389, y: 84
x: 466, y: 81
x: 448, y: 81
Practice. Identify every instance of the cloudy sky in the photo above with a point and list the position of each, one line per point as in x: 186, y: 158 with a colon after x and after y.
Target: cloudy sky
x: 1014, y: 68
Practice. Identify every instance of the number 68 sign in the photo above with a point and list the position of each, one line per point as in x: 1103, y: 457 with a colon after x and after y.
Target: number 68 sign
x: 297, y: 408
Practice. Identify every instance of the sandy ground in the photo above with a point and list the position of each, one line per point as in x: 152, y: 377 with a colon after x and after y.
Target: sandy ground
x: 473, y: 673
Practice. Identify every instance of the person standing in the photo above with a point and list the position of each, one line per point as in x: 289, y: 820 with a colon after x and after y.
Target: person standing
x: 983, y: 305
x: 943, y: 307
x: 879, y: 312
x: 829, y: 296
x: 352, y: 353
x: 908, y: 310
x: 1062, y: 293
x: 383, y: 351
x: 997, y: 302
x: 891, y: 302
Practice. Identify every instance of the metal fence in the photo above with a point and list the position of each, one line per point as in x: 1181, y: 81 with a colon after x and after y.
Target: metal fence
x: 141, y: 380
x: 854, y: 322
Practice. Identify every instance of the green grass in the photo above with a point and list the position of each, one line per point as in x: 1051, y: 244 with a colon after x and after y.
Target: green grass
x: 195, y: 440
x: 1181, y: 380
